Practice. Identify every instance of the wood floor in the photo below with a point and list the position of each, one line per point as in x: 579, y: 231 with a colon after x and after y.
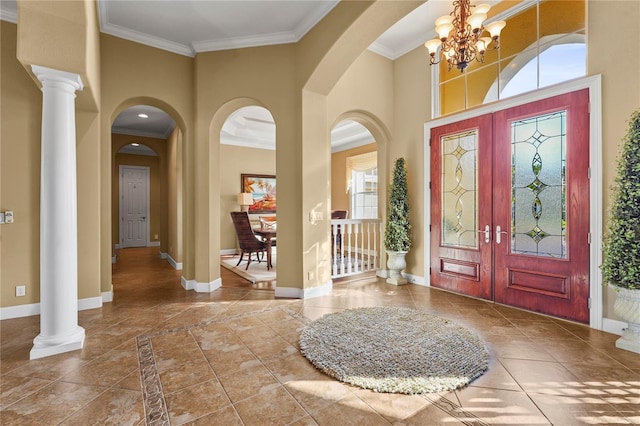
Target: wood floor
x: 159, y: 354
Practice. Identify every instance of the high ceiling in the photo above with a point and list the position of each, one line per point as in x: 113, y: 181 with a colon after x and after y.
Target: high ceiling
x: 188, y: 27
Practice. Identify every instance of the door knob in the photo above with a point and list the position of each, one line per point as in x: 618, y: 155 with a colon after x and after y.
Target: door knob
x: 499, y: 233
x: 487, y: 233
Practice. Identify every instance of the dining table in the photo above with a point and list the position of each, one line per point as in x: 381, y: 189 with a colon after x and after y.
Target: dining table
x: 267, y: 234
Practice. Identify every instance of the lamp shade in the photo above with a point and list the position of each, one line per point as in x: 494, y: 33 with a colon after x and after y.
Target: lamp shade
x: 245, y: 199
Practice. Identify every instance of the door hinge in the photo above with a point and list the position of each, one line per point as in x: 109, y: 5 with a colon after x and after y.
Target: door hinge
x: 429, y: 184
x: 429, y: 227
x: 589, y: 238
x: 589, y: 303
x: 589, y: 173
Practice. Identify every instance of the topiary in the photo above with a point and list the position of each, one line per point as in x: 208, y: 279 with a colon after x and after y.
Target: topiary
x: 621, y: 252
x: 397, y: 234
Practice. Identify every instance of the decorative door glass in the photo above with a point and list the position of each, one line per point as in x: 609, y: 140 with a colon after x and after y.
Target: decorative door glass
x: 538, y: 186
x: 459, y: 189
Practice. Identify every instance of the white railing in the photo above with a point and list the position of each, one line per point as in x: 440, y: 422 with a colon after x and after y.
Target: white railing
x: 355, y: 247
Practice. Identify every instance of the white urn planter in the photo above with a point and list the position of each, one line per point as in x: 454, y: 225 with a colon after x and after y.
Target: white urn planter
x: 396, y: 263
x: 627, y: 307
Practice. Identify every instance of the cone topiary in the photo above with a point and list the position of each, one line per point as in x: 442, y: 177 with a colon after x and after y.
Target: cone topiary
x: 621, y: 255
x: 397, y: 235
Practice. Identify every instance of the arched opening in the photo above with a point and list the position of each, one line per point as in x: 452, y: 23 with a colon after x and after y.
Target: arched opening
x: 247, y: 165
x: 146, y: 147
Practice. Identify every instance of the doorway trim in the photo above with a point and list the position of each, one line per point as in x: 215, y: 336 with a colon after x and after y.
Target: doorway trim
x: 121, y: 168
x: 594, y: 84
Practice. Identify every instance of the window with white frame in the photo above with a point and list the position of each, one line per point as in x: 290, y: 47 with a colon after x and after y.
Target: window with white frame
x: 362, y: 175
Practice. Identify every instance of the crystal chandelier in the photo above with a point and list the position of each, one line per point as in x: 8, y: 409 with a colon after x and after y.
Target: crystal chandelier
x: 460, y: 35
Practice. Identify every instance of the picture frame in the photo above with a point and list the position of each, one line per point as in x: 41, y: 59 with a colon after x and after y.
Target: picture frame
x: 263, y: 190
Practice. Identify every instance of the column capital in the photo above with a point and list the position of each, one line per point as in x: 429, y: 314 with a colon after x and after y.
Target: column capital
x: 45, y: 74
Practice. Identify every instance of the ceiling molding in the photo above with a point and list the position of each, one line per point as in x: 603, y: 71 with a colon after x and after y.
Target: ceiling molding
x: 9, y: 11
x: 141, y: 133
x: 147, y: 39
x: 242, y: 42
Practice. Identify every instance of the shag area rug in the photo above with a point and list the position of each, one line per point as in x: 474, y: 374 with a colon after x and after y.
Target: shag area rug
x: 394, y: 350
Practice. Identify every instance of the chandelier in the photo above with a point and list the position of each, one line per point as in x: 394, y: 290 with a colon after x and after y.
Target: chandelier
x: 460, y: 35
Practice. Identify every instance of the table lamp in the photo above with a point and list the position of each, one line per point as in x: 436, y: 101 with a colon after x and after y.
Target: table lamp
x: 245, y: 199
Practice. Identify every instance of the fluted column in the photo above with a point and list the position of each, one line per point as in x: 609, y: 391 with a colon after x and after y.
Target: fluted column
x: 59, y: 329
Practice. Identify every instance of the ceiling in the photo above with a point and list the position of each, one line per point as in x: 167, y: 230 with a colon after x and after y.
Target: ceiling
x: 188, y: 27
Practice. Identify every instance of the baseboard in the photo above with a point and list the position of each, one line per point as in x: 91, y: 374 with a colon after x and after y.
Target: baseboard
x: 176, y: 265
x: 382, y: 273
x: 613, y: 326
x: 153, y: 244
x: 415, y: 279
x: 90, y: 303
x: 113, y: 259
x: 200, y: 287
x: 31, y: 309
x: 107, y: 296
x: 163, y: 255
x: 228, y: 251
x: 300, y: 293
x: 117, y: 246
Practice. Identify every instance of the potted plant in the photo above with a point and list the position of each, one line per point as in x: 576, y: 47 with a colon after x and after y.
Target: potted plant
x: 397, y: 234
x: 621, y: 255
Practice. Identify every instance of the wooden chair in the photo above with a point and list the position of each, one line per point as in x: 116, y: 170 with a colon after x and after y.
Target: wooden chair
x: 248, y: 241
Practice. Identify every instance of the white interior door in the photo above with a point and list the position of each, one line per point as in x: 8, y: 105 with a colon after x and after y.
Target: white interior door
x: 134, y: 206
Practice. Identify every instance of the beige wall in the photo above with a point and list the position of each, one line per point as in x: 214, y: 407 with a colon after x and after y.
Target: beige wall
x: 21, y: 115
x: 174, y: 196
x: 234, y: 161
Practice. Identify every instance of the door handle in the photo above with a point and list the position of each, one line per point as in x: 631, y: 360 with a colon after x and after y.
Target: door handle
x: 487, y: 234
x: 499, y: 233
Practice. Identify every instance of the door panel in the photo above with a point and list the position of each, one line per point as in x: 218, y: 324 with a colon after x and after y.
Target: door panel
x: 461, y: 258
x: 521, y: 174
x: 542, y: 261
x: 135, y: 182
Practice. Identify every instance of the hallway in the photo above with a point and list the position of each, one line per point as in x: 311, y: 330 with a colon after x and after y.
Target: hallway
x: 231, y: 357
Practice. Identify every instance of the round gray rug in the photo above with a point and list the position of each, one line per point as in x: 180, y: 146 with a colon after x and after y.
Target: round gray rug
x: 394, y: 350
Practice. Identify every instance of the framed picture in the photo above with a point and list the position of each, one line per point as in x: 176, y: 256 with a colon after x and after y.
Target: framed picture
x: 263, y: 190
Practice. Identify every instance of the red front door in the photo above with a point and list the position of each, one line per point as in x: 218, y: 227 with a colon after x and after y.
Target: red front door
x: 522, y: 175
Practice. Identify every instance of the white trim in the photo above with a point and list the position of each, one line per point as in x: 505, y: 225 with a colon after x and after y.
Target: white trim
x: 613, y: 326
x: 228, y: 251
x: 199, y: 287
x: 303, y: 293
x: 90, y: 303
x: 8, y: 15
x: 414, y: 279
x: 27, y: 310
x: 176, y: 265
x: 107, y: 296
x: 153, y: 243
x: 113, y: 259
x: 163, y: 255
x: 594, y: 84
x: 117, y: 246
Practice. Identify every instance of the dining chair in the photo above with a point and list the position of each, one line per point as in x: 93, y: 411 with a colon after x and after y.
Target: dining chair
x: 248, y: 241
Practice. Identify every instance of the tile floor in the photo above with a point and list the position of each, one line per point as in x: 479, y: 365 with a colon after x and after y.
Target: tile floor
x: 158, y: 354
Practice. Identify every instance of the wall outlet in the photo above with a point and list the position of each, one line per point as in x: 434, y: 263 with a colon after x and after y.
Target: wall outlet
x: 21, y: 290
x: 8, y: 217
x: 155, y: 236
x: 311, y: 275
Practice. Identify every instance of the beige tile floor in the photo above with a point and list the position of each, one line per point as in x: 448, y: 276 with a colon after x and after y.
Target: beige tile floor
x: 231, y: 358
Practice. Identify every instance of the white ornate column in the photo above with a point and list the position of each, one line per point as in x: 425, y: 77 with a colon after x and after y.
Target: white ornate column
x: 59, y: 330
